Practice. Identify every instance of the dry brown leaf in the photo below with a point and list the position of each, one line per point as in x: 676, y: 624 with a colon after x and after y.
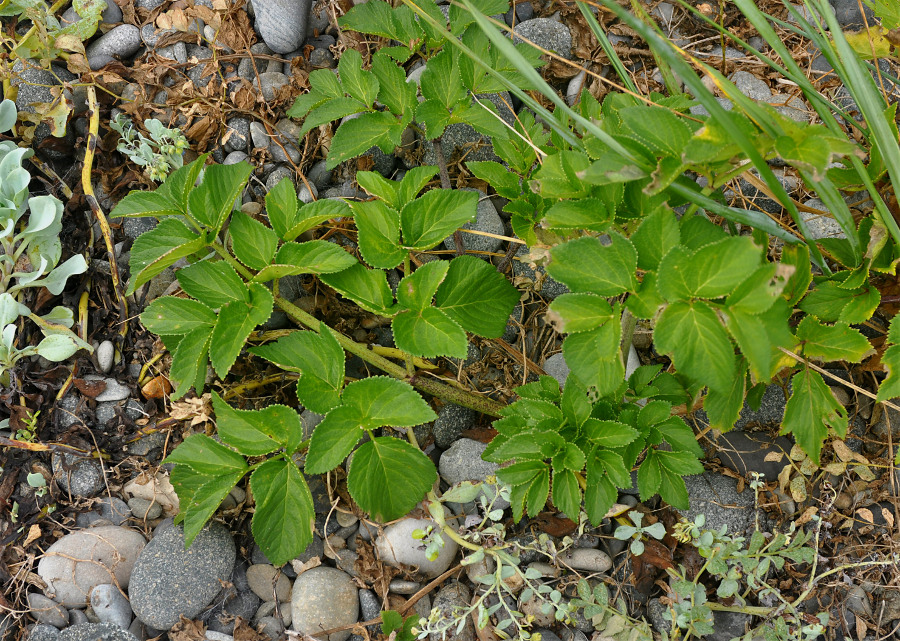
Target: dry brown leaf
x: 844, y: 453
x: 798, y: 489
x: 865, y: 514
x: 888, y: 516
x: 158, y: 387
x: 243, y: 632
x: 34, y: 533
x: 774, y: 457
x: 806, y: 516
x: 187, y: 630
x: 861, y: 629
x: 91, y: 389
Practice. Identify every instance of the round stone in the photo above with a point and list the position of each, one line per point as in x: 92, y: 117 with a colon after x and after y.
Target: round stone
x: 324, y: 598
x: 396, y: 546
x: 80, y: 561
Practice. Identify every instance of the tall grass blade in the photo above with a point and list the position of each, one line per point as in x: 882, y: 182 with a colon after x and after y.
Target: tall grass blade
x: 608, y: 48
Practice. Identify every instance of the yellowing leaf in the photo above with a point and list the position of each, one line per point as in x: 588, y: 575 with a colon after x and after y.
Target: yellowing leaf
x: 874, y: 41
x: 798, y: 489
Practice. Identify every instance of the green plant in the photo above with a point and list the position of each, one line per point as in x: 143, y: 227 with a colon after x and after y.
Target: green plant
x: 29, y: 432
x: 38, y: 482
x: 47, y: 39
x: 160, y: 154
x: 635, y: 532
x: 30, y: 251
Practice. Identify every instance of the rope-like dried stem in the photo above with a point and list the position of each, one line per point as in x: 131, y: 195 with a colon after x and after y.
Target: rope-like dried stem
x: 93, y: 137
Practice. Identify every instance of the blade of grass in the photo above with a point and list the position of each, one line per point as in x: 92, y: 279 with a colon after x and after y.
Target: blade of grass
x: 871, y: 104
x: 823, y: 106
x: 607, y: 46
x: 672, y: 54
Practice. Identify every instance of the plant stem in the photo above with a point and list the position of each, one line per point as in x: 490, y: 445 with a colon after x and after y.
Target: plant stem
x: 449, y: 531
x: 445, y: 392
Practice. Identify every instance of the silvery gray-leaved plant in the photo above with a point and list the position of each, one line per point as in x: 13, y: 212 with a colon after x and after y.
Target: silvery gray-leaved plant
x: 30, y: 250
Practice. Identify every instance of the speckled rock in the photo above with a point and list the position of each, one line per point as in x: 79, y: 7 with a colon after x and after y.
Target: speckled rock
x: 82, y: 560
x: 324, y: 598
x: 451, y: 596
x: 396, y: 545
x: 79, y: 476
x: 121, y: 42
x: 282, y: 23
x: 170, y: 581
x: 111, y: 606
x: 95, y: 632
x: 451, y: 421
x: 261, y: 577
x: 47, y: 611
x: 547, y: 34
x: 486, y: 220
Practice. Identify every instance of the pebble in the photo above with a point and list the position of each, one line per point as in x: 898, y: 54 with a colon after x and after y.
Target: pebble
x: 218, y: 636
x: 154, y: 488
x: 258, y: 135
x: 305, y: 195
x: 848, y: 16
x: 524, y: 11
x: 369, y: 606
x: 547, y: 34
x: 77, y: 475
x: 287, y: 136
x: 95, y: 632
x: 450, y: 597
x: 279, y: 174
x: 556, y: 367
x: 114, y: 391
x: 111, y: 606
x: 170, y: 581
x: 34, y: 86
x: 399, y: 586
x: 745, y: 452
x: 106, y: 353
x: 268, y: 609
x: 240, y: 134
x: 324, y: 598
x: 751, y: 86
x: 821, y: 225
x: 110, y: 509
x: 396, y: 546
x: 716, y: 496
x: 144, y: 509
x: 118, y: 43
x: 486, y: 220
x: 451, y: 421
x: 47, y: 611
x: 270, y: 82
x: 573, y: 89
x: 43, y: 632
x: 282, y: 23
x: 111, y: 15
x: 77, y: 616
x: 176, y: 52
x: 271, y: 627
x: 260, y: 578
x: 547, y: 287
x: 235, y: 157
x: 587, y: 559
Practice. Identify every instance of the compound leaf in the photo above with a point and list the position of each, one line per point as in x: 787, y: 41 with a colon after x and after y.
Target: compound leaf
x: 214, y: 284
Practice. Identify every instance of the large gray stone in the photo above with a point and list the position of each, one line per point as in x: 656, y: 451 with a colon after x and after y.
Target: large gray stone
x: 324, y: 598
x: 451, y: 421
x: 821, y: 225
x: 717, y: 497
x: 547, y: 34
x: 170, y: 581
x: 450, y: 597
x: 396, y: 546
x: 47, y: 611
x: 282, y: 23
x: 463, y: 139
x: 111, y: 606
x: 34, y: 87
x: 745, y: 452
x: 848, y: 15
x: 121, y: 42
x: 486, y: 220
x: 95, y: 632
x: 76, y: 475
x: 80, y: 561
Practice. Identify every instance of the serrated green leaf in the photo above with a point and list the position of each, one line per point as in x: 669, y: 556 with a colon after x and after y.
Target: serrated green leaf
x: 379, y: 231
x: 205, y: 456
x: 213, y: 200
x: 599, y: 496
x: 829, y: 302
x: 359, y: 84
x: 477, y: 296
x: 760, y: 291
x: 258, y: 432
x: 355, y: 136
x: 890, y: 387
x: 380, y: 187
x: 585, y: 213
x: 428, y: 220
x: 333, y: 439
x: 320, y: 360
x: 252, y: 242
x: 189, y: 360
x: 413, y: 182
x: 441, y: 80
x: 611, y: 464
x: 429, y: 333
x: 760, y: 335
x: 417, y: 290
x: 586, y: 265
x: 672, y: 489
x: 838, y: 342
x: 712, y: 271
x: 698, y: 343
x: 213, y: 284
x: 679, y: 436
x: 649, y: 476
x: 388, y: 477
x: 566, y: 492
x: 810, y: 411
x: 433, y: 117
x: 572, y: 313
x: 656, y: 235
x: 368, y: 288
x: 524, y: 446
x: 504, y: 182
x: 521, y: 473
x: 574, y: 404
x: 387, y: 401
x: 646, y: 301
x: 723, y: 407
x: 146, y: 203
x: 590, y: 354
x: 169, y: 316
x: 282, y: 206
x: 202, y: 501
x: 316, y: 213
x: 394, y: 92
x: 311, y: 257
x: 608, y: 433
x: 796, y: 256
x: 282, y: 523
x: 333, y: 109
x: 154, y: 250
x: 235, y: 322
x: 659, y: 129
